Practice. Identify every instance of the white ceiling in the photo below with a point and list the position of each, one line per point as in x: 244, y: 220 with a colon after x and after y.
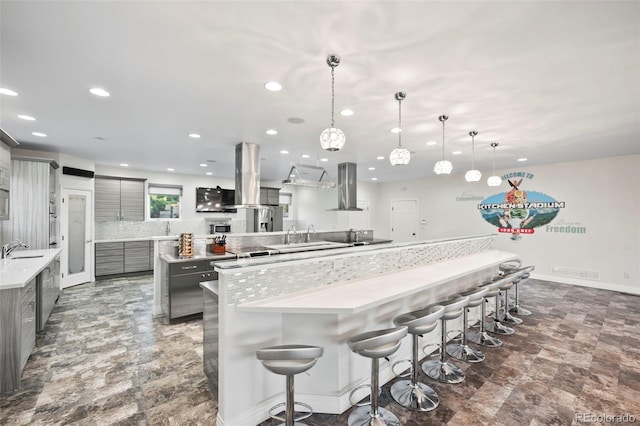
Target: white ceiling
x: 549, y: 81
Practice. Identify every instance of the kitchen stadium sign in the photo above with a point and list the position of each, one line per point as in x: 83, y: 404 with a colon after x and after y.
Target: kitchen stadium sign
x: 517, y: 211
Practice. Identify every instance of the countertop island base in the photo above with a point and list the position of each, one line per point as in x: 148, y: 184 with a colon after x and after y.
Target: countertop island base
x: 317, y: 317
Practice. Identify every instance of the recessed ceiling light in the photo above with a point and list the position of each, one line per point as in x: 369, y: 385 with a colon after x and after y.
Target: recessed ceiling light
x: 99, y: 92
x: 396, y: 130
x: 203, y: 164
x: 27, y: 117
x: 457, y: 152
x: 380, y: 157
x: 374, y: 178
x: 305, y: 156
x: 431, y: 143
x: 271, y: 132
x: 124, y: 164
x: 522, y: 159
x: 8, y: 92
x: 346, y: 112
x: 209, y: 173
x: 170, y: 169
x: 273, y: 86
x: 284, y: 151
x: 324, y: 159
x: 194, y: 135
x: 39, y: 134
x: 372, y: 168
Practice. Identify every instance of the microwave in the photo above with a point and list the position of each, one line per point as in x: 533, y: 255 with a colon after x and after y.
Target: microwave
x: 4, y: 204
x: 218, y: 228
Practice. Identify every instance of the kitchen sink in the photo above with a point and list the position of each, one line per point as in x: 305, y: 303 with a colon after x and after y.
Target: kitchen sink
x: 31, y: 256
x: 313, y: 245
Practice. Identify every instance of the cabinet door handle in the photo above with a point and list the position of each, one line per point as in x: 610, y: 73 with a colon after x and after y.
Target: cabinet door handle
x: 30, y: 289
x: 190, y: 267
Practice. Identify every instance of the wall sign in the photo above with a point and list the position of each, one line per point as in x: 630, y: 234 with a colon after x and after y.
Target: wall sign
x: 519, y: 210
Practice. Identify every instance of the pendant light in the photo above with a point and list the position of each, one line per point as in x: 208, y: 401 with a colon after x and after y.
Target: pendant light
x: 473, y: 175
x: 400, y: 156
x: 443, y: 167
x: 332, y: 139
x: 494, y: 180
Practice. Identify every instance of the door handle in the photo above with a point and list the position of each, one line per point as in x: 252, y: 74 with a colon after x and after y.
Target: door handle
x: 89, y: 241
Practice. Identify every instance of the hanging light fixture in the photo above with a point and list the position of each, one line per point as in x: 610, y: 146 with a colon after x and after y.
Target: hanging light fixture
x: 493, y: 179
x: 332, y: 139
x: 473, y: 175
x: 400, y: 156
x: 443, y: 167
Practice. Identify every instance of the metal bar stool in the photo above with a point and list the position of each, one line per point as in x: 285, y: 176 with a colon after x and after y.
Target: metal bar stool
x: 289, y: 360
x: 462, y: 350
x: 413, y: 394
x: 505, y: 316
x: 375, y: 345
x: 516, y: 308
x: 441, y: 369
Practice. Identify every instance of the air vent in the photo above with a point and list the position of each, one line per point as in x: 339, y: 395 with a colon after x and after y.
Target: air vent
x: 582, y: 274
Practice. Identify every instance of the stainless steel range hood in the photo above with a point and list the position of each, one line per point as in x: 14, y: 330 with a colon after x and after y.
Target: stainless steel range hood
x: 247, y: 173
x: 347, y: 188
x: 309, y: 176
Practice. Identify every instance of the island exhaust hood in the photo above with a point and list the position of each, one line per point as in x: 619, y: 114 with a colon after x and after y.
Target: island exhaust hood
x: 347, y: 188
x: 247, y: 174
x: 309, y: 176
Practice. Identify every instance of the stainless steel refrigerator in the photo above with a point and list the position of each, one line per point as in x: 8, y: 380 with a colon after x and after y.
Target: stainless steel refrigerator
x: 264, y: 219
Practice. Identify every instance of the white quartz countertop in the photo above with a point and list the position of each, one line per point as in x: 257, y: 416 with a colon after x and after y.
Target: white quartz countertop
x: 359, y: 295
x: 16, y: 272
x: 123, y: 240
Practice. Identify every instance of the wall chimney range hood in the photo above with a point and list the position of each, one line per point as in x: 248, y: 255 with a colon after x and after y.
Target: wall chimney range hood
x: 347, y: 188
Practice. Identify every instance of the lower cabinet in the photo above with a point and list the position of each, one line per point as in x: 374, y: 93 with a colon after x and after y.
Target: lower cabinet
x: 182, y: 291
x: 17, y: 333
x: 124, y: 257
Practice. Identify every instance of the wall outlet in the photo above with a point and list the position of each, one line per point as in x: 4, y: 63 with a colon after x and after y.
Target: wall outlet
x: 338, y: 263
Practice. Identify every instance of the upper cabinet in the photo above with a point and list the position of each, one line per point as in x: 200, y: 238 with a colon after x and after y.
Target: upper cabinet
x: 118, y: 199
x: 270, y: 196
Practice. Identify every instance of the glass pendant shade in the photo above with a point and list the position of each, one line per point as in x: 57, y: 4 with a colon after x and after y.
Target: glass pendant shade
x: 443, y: 167
x: 399, y: 156
x: 494, y: 181
x: 332, y: 139
x: 472, y: 175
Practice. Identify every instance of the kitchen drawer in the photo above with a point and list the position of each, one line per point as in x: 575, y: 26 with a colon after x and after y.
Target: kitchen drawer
x: 110, y: 268
x: 28, y: 319
x: 136, y: 245
x: 28, y: 293
x: 109, y: 246
x: 109, y: 253
x: 182, y: 268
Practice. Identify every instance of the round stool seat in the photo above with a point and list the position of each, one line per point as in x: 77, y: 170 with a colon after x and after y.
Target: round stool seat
x: 506, y: 285
x: 476, y: 296
x: 378, y: 343
x: 453, y: 307
x: 289, y: 359
x: 510, y: 266
x: 421, y: 321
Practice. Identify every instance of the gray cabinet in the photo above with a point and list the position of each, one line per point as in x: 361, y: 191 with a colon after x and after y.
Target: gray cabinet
x: 17, y: 333
x: 47, y: 292
x: 183, y: 288
x: 118, y: 199
x: 270, y: 196
x: 124, y: 257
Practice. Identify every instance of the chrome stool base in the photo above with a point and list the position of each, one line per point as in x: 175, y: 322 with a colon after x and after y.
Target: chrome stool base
x: 362, y: 417
x: 418, y: 397
x: 445, y: 372
x: 507, y: 318
x: 497, y: 328
x: 483, y: 338
x: 465, y: 352
x: 518, y: 310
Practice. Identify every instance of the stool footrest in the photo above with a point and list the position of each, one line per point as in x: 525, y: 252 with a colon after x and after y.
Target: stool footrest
x: 297, y: 419
x: 401, y: 362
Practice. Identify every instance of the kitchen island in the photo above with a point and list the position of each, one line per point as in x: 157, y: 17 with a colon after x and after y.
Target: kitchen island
x: 323, y: 300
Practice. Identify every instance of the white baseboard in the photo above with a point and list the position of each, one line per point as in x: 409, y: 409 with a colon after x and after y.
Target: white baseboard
x: 586, y: 283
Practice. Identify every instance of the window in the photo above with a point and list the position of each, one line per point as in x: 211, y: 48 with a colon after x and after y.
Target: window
x: 164, y: 201
x: 285, y: 203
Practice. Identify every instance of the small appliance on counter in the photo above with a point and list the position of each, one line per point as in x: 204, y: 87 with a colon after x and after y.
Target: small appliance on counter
x: 185, y: 245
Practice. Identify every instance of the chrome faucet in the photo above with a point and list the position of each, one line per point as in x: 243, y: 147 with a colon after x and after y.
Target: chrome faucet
x: 354, y: 234
x: 287, y: 238
x: 307, y: 236
x: 8, y: 248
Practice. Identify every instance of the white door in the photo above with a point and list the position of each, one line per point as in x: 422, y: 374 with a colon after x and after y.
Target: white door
x: 404, y: 220
x: 75, y: 227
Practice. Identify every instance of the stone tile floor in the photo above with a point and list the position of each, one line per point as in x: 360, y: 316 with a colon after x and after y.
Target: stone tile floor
x: 104, y: 360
